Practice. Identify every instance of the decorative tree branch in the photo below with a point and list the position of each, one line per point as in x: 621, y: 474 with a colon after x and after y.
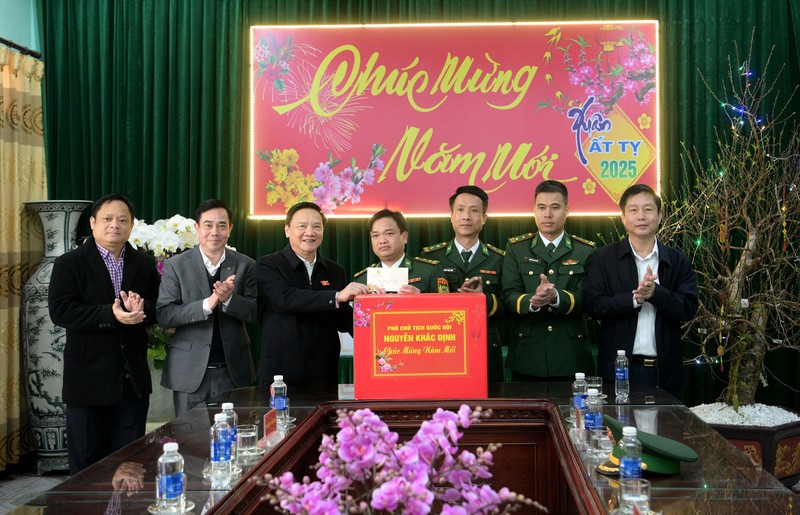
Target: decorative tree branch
x: 740, y: 225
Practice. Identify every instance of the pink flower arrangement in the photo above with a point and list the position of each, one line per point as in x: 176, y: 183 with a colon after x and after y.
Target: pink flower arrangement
x: 384, y: 363
x: 361, y: 316
x: 363, y: 469
x: 610, y: 76
x: 337, y: 188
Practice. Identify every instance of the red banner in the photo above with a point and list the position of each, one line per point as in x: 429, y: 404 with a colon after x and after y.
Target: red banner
x: 359, y: 118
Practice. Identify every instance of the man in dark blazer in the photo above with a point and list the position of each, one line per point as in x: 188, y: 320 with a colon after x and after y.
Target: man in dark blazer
x: 104, y: 294
x: 641, y: 291
x: 474, y: 266
x: 207, y: 294
x: 303, y: 302
x: 543, y: 276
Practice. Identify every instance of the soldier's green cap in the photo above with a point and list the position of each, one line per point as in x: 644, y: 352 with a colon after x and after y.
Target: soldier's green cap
x: 659, y: 454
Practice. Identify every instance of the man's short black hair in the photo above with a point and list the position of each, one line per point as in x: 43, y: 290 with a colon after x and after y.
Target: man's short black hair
x: 208, y: 205
x: 305, y: 205
x: 551, y: 186
x: 111, y: 197
x: 472, y: 190
x: 635, y: 190
x: 388, y: 213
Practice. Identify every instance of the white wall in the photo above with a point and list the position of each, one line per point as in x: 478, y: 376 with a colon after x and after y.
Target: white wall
x: 18, y: 23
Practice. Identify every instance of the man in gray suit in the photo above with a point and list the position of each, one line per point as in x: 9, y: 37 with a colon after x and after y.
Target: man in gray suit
x: 207, y: 294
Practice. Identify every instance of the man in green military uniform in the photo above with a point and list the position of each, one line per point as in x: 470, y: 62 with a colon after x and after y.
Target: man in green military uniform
x: 388, y: 232
x: 474, y: 266
x: 543, y: 275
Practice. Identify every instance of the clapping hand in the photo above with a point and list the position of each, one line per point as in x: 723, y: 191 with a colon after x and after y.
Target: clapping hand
x: 647, y: 287
x: 224, y: 289
x: 133, y: 312
x: 545, y: 293
x: 128, y: 477
x: 472, y: 285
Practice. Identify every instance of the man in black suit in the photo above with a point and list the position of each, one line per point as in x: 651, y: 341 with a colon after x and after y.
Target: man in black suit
x: 104, y: 294
x: 303, y: 302
x: 641, y: 291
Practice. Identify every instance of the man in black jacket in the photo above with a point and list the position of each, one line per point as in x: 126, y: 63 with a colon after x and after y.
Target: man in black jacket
x: 303, y: 303
x: 641, y: 291
x: 104, y: 294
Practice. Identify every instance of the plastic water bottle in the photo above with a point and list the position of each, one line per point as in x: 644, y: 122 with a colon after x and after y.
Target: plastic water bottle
x: 622, y: 386
x: 170, y: 482
x: 220, y: 447
x: 630, y: 454
x: 277, y: 399
x: 233, y: 421
x: 579, y: 397
x: 594, y: 410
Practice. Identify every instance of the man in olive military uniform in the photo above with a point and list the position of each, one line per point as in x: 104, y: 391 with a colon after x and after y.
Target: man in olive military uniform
x: 543, y: 275
x: 388, y: 232
x: 474, y: 266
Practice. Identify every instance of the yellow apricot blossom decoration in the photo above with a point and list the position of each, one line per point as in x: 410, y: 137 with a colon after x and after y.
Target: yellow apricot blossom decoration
x: 589, y: 187
x: 289, y: 185
x: 644, y: 121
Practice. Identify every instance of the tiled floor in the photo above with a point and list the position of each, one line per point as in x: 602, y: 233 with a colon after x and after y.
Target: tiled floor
x: 19, y: 483
x: 17, y: 488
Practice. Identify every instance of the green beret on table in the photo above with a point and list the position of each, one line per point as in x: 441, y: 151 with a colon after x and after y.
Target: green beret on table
x: 659, y: 454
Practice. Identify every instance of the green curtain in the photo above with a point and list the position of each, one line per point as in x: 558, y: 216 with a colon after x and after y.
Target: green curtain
x: 150, y: 98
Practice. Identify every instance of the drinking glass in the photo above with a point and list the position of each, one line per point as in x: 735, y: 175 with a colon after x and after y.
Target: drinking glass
x: 286, y: 422
x: 600, y: 444
x: 634, y: 493
x: 247, y: 440
x: 595, y: 382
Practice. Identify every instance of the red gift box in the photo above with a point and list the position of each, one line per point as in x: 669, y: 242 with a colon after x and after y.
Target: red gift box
x: 424, y: 346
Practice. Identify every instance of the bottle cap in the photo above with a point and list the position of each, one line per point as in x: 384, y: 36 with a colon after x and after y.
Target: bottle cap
x: 171, y: 447
x: 628, y: 431
x: 227, y: 406
x: 220, y: 417
x: 580, y: 375
x: 277, y: 378
x: 620, y: 352
x: 592, y: 391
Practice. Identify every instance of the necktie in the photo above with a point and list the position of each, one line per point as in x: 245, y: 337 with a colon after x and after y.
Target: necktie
x: 550, y: 248
x: 465, y: 255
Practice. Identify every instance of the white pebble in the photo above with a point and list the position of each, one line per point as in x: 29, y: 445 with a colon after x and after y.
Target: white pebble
x: 750, y: 415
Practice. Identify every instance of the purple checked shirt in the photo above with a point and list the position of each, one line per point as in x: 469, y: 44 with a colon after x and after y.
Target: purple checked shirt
x: 114, y: 267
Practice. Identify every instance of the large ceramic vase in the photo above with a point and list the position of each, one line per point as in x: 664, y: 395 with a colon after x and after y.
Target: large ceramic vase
x: 42, y: 341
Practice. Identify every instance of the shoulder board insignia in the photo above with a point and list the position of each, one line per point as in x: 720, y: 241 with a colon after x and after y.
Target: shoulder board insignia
x: 373, y: 265
x: 496, y: 250
x: 432, y: 248
x: 426, y: 261
x: 521, y: 237
x: 584, y: 241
